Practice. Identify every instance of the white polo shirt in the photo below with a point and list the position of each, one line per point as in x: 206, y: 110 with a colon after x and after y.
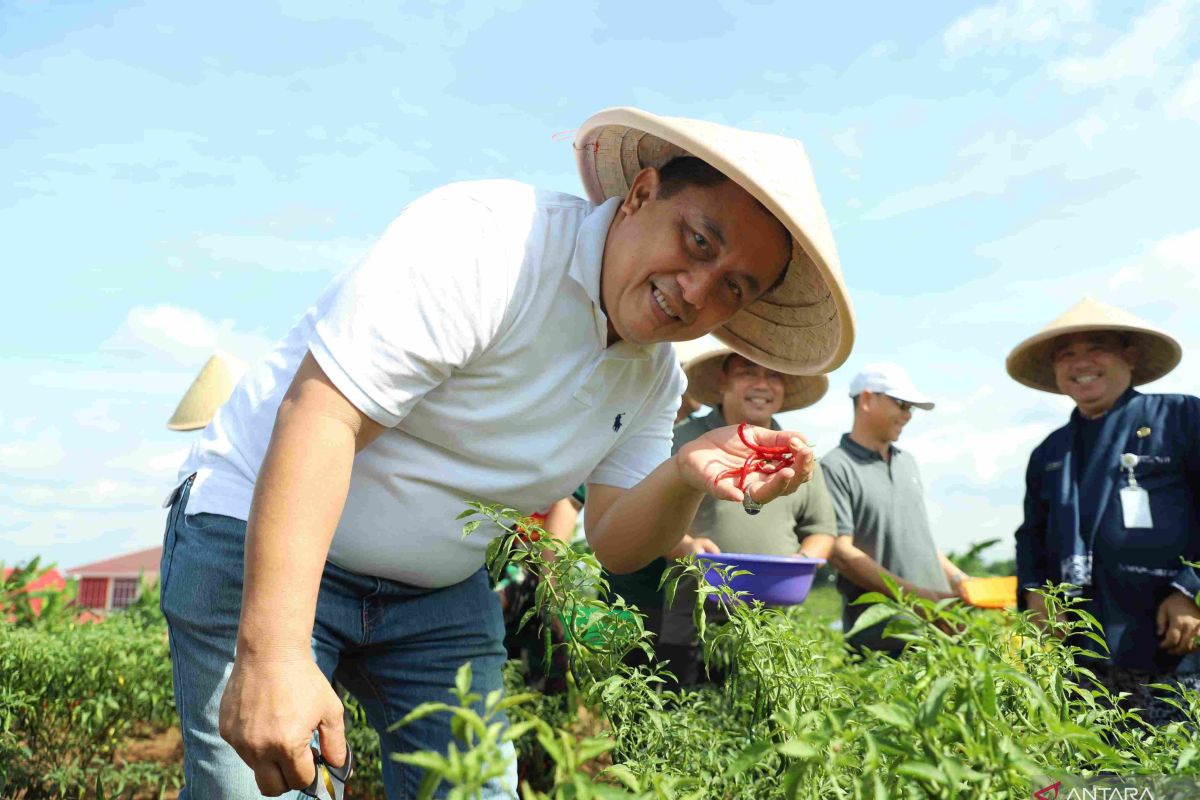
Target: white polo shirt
x: 473, y: 331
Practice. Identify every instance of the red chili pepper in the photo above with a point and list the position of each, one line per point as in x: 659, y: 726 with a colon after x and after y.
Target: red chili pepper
x: 762, y: 459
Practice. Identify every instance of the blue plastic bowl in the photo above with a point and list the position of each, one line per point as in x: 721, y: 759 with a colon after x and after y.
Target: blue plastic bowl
x: 775, y: 580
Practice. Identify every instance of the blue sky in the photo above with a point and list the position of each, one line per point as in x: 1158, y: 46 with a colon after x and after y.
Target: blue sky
x: 183, y: 177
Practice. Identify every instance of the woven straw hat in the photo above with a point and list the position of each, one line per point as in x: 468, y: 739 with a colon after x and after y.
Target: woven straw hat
x: 208, y: 392
x: 1030, y: 361
x: 806, y: 325
x: 703, y: 372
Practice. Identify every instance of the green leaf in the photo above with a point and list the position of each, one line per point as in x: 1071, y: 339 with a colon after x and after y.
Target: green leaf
x: 921, y: 771
x: 747, y: 758
x: 890, y: 713
x: 872, y: 616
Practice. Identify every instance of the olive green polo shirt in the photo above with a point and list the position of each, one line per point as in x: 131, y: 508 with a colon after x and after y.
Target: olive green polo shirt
x: 882, y: 505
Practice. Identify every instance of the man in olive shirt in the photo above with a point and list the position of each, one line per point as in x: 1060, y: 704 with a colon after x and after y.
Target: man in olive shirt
x: 801, y: 524
x: 882, y: 525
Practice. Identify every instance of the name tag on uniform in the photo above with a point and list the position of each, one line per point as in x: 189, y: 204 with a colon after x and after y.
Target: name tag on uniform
x: 1135, y: 506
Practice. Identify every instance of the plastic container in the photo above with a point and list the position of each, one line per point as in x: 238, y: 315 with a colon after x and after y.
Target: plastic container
x: 991, y: 592
x: 775, y: 580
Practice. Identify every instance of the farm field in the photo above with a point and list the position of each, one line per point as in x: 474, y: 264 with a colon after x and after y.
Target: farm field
x: 982, y: 705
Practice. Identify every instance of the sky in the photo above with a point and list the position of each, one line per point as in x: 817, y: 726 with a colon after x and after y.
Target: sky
x: 186, y: 177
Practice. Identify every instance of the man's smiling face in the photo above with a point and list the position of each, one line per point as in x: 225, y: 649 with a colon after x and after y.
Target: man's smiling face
x: 750, y: 393
x: 1093, y: 369
x: 679, y: 267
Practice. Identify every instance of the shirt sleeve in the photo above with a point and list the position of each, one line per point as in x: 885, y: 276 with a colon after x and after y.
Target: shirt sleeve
x: 841, y: 496
x: 649, y: 443
x: 429, y: 297
x: 1031, y: 535
x: 818, y: 516
x: 1187, y: 580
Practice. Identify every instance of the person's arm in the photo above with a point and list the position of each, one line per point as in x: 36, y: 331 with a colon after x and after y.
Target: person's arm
x: 1032, y: 571
x: 816, y: 525
x: 276, y: 695
x: 561, y: 519
x: 866, y: 573
x: 627, y: 528
x: 817, y: 545
x: 692, y: 545
x: 1177, y: 620
x: 954, y: 576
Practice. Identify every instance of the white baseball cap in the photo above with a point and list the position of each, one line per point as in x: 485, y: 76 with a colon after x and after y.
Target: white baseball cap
x: 885, y: 377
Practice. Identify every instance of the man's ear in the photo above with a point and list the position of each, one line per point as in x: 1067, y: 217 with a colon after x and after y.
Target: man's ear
x: 644, y: 187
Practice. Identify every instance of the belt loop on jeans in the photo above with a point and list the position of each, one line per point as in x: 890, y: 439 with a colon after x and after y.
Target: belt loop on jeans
x: 178, y: 491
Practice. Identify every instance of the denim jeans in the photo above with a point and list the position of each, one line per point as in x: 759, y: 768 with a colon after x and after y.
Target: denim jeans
x: 393, y: 646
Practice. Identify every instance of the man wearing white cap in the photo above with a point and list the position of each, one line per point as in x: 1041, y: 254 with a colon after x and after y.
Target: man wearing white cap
x: 882, y: 525
x: 1112, y: 499
x: 499, y: 343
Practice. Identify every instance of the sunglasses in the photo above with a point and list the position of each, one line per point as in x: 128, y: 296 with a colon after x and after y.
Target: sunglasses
x: 903, y: 405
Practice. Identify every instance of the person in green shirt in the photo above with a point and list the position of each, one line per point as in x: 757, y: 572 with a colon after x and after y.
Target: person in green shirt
x: 802, y: 524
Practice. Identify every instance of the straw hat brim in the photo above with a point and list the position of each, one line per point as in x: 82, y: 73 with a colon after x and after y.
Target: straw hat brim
x: 804, y: 326
x: 208, y: 392
x: 704, y: 373
x: 1030, y: 362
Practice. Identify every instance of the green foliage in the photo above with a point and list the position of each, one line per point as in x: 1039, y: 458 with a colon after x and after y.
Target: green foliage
x: 71, y: 695
x: 980, y: 704
x: 972, y: 561
x: 17, y: 599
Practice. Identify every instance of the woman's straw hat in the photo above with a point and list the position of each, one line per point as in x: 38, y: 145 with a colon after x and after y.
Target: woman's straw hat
x: 1030, y: 362
x: 703, y: 372
x: 806, y: 325
x: 207, y: 393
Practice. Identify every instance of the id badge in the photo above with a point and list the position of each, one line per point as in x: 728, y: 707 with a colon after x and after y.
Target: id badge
x: 1135, y: 505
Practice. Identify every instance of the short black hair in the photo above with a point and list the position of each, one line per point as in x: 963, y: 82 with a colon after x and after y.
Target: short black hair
x: 684, y: 171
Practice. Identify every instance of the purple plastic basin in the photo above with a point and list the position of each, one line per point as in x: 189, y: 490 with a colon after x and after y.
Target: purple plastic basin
x: 775, y: 580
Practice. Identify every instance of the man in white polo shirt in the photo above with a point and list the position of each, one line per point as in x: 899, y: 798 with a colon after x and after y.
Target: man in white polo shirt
x: 499, y: 343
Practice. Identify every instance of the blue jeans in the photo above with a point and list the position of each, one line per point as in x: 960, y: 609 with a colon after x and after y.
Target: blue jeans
x: 393, y: 646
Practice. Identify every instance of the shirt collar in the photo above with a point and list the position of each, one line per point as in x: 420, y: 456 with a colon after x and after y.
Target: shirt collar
x: 586, y: 265
x: 1078, y: 418
x: 856, y: 449
x: 716, y: 419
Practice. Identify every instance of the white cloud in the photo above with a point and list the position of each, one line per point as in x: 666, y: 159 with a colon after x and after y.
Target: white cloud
x: 1089, y: 128
x: 43, y: 451
x: 1138, y: 54
x: 1167, y: 278
x: 97, y: 416
x: 284, y: 255
x: 182, y: 335
x: 847, y: 143
x: 995, y: 26
x: 1185, y: 102
x: 172, y: 335
x: 159, y: 461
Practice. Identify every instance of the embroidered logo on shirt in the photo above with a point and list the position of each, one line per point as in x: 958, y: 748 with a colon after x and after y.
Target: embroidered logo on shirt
x: 617, y: 422
x: 1052, y: 465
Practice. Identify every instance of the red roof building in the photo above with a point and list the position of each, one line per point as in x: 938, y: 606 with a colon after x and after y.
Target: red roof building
x: 115, y: 582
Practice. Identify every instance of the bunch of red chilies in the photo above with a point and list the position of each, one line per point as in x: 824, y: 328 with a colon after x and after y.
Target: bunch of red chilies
x: 767, y: 460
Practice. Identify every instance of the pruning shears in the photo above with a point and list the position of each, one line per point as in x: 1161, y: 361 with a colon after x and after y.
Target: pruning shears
x: 330, y: 781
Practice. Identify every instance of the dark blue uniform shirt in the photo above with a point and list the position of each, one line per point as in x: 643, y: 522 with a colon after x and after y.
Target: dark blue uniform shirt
x: 1074, y: 530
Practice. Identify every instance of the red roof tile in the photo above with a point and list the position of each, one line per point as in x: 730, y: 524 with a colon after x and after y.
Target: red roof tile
x: 129, y: 565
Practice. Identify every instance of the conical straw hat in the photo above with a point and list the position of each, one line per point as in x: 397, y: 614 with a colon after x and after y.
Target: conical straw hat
x: 704, y: 369
x: 208, y: 392
x: 806, y: 325
x: 1030, y: 362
